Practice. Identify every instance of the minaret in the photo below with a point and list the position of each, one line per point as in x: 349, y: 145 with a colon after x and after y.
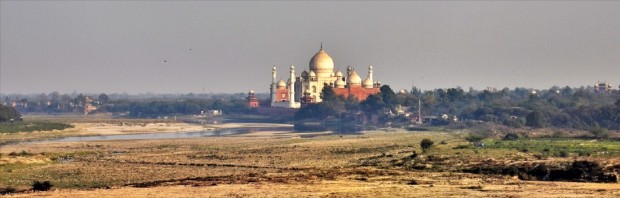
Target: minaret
x: 370, y: 73
x: 273, y: 84
x: 349, y: 70
x: 291, y: 88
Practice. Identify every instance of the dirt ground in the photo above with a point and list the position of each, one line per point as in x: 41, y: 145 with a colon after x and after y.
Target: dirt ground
x: 350, y: 188
x: 274, y: 164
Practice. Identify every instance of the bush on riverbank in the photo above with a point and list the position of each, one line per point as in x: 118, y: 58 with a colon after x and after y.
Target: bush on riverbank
x: 32, y: 126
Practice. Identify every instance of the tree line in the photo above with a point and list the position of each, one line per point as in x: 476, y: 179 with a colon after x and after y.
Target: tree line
x: 580, y: 108
x: 563, y: 107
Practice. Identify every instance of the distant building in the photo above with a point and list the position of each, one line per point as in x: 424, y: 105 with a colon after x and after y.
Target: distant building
x: 307, y: 87
x: 251, y: 99
x: 491, y: 89
x: 212, y: 112
x: 88, y: 106
x: 602, y: 87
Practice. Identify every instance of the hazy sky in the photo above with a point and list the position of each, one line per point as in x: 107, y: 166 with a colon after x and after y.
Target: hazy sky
x: 115, y: 47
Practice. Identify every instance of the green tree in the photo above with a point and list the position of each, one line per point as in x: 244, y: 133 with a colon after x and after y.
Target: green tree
x: 536, y: 119
x: 352, y: 103
x: 426, y: 144
x: 599, y: 132
x: 332, y: 100
x: 314, y: 111
x: 415, y: 91
x: 388, y: 96
x: 455, y: 94
x: 373, y: 103
x: 103, y: 98
x: 328, y: 95
x: 8, y: 113
x: 80, y: 99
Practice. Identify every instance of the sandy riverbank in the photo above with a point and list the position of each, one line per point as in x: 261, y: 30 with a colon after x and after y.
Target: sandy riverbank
x: 134, y: 128
x: 127, y: 126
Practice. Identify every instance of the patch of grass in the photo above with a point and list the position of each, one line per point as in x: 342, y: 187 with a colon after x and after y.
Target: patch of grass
x: 561, y: 147
x: 69, y: 155
x: 32, y: 126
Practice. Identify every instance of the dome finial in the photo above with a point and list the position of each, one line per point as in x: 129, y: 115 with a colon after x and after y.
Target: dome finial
x: 321, y: 45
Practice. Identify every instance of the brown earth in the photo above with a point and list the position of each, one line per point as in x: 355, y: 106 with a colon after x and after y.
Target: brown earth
x: 280, y: 164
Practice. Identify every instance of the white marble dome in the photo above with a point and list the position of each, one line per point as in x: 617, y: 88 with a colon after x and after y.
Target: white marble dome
x: 321, y: 62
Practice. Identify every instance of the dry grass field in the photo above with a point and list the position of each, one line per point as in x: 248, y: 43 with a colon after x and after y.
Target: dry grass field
x: 285, y: 164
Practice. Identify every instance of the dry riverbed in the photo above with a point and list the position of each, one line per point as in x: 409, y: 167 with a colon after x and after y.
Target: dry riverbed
x: 280, y: 164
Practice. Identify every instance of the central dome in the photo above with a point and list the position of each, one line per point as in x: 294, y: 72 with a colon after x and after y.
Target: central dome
x: 321, y: 62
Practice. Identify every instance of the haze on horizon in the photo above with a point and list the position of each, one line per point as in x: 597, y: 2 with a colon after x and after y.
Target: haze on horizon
x: 230, y: 47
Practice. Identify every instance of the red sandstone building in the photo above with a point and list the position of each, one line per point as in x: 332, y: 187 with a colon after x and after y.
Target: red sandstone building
x: 251, y: 99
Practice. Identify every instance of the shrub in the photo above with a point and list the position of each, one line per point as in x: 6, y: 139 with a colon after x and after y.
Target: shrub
x: 413, y: 155
x: 426, y: 144
x: 511, y: 136
x: 599, y: 132
x: 41, y: 186
x: 563, y: 154
x: 7, y: 190
x: 477, y: 137
x: 558, y: 134
x: 25, y: 153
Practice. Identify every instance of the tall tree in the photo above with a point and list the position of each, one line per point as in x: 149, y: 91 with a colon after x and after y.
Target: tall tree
x: 8, y: 113
x: 388, y: 96
x: 373, y: 103
x: 536, y: 119
x: 328, y: 94
x: 103, y: 98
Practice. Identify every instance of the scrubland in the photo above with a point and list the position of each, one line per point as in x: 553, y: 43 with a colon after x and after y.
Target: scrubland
x: 284, y: 164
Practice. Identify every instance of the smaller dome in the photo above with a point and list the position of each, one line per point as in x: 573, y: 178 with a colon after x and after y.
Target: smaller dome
x: 281, y: 84
x: 251, y: 91
x: 338, y: 73
x: 304, y: 73
x: 402, y: 91
x: 367, y: 83
x: 312, y: 74
x: 354, y: 79
x: 339, y: 83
